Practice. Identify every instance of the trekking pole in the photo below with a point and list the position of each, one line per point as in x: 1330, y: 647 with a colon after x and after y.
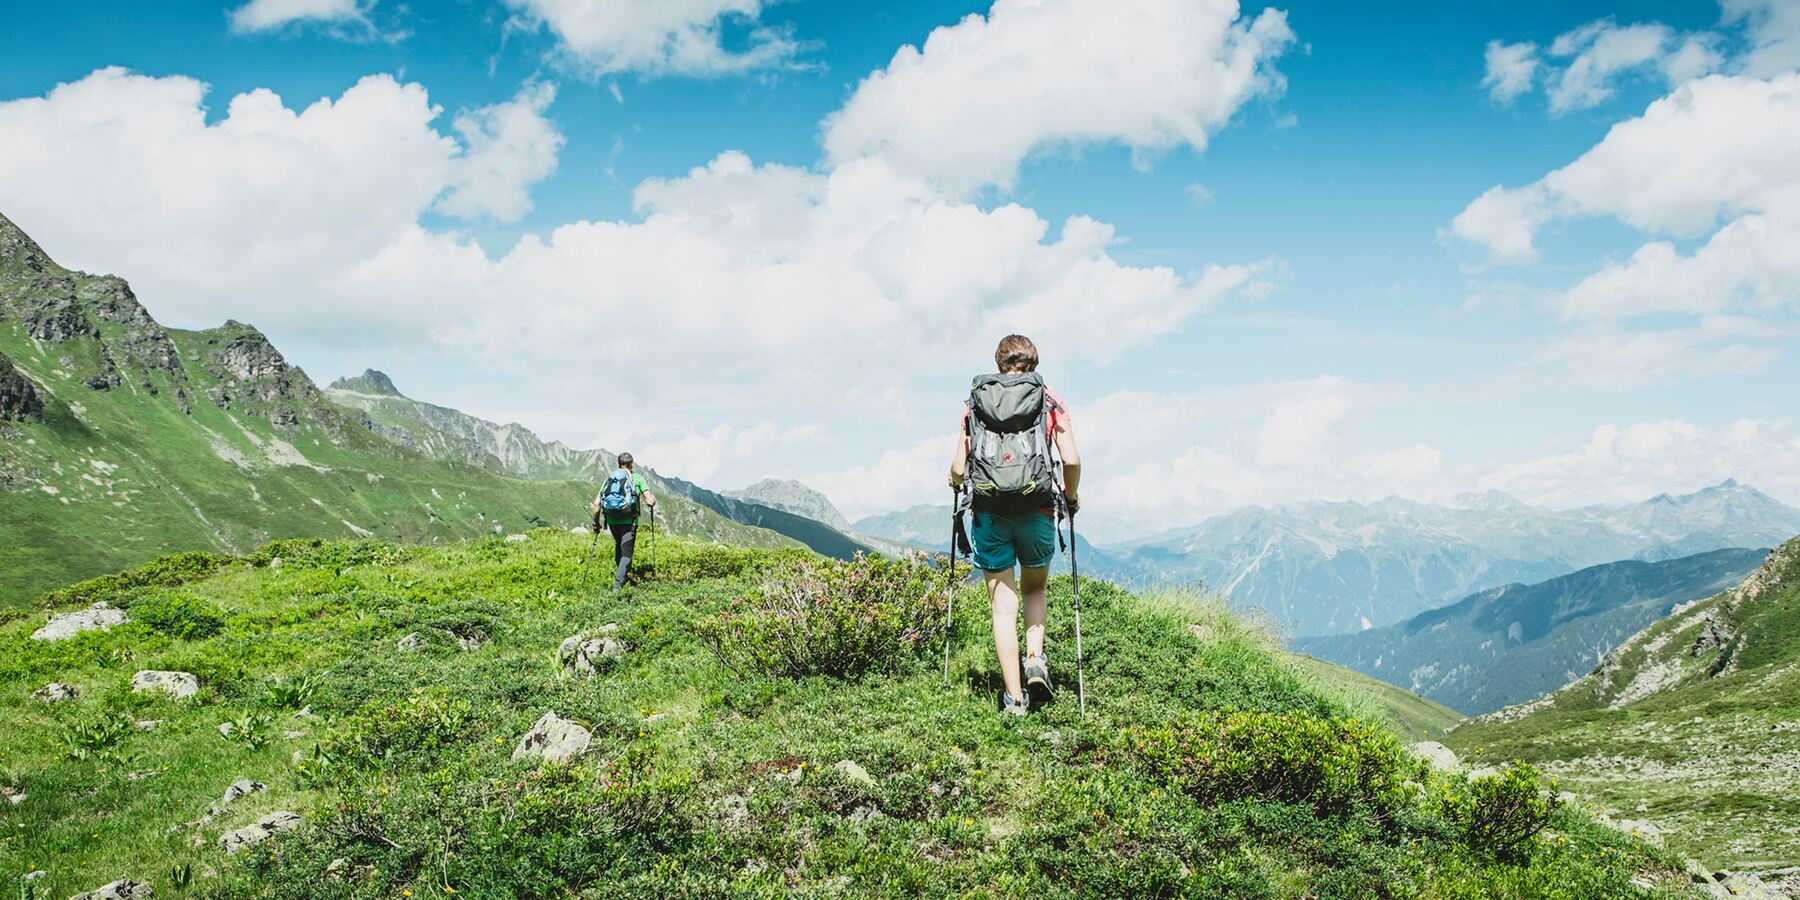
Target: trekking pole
x: 590, y: 554
x: 1075, y: 585
x: 653, y: 540
x: 950, y: 587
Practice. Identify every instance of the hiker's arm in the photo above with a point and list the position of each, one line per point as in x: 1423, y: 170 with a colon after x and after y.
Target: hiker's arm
x: 649, y: 499
x: 1071, y: 460
x: 960, y: 460
x: 596, y: 504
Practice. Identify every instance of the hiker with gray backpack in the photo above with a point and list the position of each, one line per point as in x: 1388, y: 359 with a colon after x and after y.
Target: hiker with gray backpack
x: 617, y: 506
x: 1016, y: 470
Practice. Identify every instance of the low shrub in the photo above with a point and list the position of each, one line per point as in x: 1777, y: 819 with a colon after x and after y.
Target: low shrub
x: 419, y: 727
x: 1498, y: 815
x: 1329, y: 763
x: 684, y: 564
x: 178, y: 615
x: 95, y: 738
x: 841, y: 619
x: 330, y: 556
x: 291, y: 693
x: 173, y: 570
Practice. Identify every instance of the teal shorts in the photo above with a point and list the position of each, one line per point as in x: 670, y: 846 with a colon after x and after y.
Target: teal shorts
x: 1002, y: 540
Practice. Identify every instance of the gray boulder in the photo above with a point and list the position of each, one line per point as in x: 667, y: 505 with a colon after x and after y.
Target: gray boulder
x: 63, y: 626
x: 1441, y: 758
x: 1643, y: 830
x: 411, y: 643
x: 854, y: 772
x: 56, y: 692
x: 179, y: 685
x: 554, y: 739
x: 474, y: 640
x: 518, y: 538
x: 123, y: 889
x: 583, y: 652
x: 263, y: 829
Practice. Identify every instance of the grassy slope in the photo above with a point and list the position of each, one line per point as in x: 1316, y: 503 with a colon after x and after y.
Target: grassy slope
x: 1410, y: 714
x: 964, y: 802
x: 1710, y: 757
x: 115, y: 477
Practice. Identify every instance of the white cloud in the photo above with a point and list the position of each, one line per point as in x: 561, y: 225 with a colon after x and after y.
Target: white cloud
x: 683, y: 37
x: 1511, y: 69
x: 121, y: 172
x: 270, y: 15
x: 896, y: 479
x: 509, y: 147
x: 1040, y: 74
x: 1774, y: 31
x: 702, y: 456
x: 1625, y: 464
x: 1603, y: 358
x: 1717, y: 147
x: 1198, y: 194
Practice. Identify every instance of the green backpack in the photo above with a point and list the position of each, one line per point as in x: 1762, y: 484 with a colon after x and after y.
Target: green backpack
x: 1010, y: 467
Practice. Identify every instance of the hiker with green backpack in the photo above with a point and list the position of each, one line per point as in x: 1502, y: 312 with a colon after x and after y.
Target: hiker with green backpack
x: 1016, y: 469
x: 618, y: 505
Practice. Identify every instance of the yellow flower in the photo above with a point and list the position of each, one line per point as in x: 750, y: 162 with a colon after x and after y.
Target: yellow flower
x: 449, y: 890
x: 968, y: 821
x: 406, y: 893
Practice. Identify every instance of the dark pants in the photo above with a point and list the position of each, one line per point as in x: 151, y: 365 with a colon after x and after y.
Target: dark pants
x: 624, y: 541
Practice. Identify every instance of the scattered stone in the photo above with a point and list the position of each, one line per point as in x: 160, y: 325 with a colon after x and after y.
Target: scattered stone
x: 1441, y: 758
x: 653, y: 718
x: 290, y: 735
x: 608, y: 628
x: 474, y: 640
x: 337, y: 864
x: 518, y: 538
x: 1484, y: 772
x: 732, y: 813
x: 142, y: 774
x: 1741, y: 886
x: 411, y: 643
x: 13, y: 796
x: 123, y: 889
x: 176, y: 684
x: 225, y: 729
x: 854, y: 772
x: 583, y: 652
x: 1698, y: 873
x: 863, y: 815
x: 98, y: 617
x: 147, y: 724
x: 554, y: 739
x: 33, y: 875
x: 1643, y: 830
x: 263, y: 829
x: 238, y: 790
x: 56, y: 692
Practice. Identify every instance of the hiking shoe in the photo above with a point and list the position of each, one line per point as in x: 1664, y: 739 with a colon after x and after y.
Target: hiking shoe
x: 1037, y: 679
x: 1014, y: 707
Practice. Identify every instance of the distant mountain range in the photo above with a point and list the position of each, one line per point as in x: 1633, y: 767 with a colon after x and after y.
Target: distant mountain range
x: 1510, y: 644
x: 1333, y: 568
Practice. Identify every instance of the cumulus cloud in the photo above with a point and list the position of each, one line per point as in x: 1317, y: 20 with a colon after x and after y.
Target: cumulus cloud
x: 1718, y: 146
x: 121, y: 172
x: 681, y: 37
x: 1774, y: 31
x: 1511, y: 69
x: 1034, y: 75
x: 1602, y: 51
x: 272, y: 15
x: 1606, y: 358
x: 1627, y: 463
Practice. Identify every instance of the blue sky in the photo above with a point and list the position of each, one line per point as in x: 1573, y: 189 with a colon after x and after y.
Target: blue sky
x: 1371, y: 343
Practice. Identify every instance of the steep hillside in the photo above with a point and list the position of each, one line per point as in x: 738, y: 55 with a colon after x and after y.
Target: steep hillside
x: 365, y: 720
x: 1691, y: 722
x: 796, y: 498
x: 122, y: 440
x: 813, y: 533
x: 1335, y: 568
x: 1513, y: 643
x: 1409, y: 713
x: 447, y: 434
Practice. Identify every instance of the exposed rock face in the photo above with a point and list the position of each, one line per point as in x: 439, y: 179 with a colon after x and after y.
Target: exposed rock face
x: 263, y: 829
x: 123, y: 889
x: 583, y: 652
x: 178, y: 685
x: 794, y: 497
x: 369, y: 382
x: 19, y: 400
x: 56, y: 692
x: 1441, y: 758
x: 1713, y: 635
x: 554, y: 739
x: 98, y: 617
x: 247, y: 354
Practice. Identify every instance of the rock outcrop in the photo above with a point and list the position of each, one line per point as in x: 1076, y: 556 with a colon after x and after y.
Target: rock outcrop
x: 19, y: 400
x: 63, y: 626
x: 179, y: 685
x: 553, y: 739
x: 123, y: 889
x: 585, y: 652
x: 261, y: 830
x: 56, y: 692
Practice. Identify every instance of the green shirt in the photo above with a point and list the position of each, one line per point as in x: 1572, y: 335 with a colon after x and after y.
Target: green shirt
x: 630, y: 516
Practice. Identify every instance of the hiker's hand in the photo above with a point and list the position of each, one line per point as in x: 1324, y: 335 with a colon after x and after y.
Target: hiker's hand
x: 956, y: 481
x: 1073, y: 502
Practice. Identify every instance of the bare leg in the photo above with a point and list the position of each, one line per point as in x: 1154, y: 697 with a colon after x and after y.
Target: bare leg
x: 1037, y: 608
x: 1004, y: 596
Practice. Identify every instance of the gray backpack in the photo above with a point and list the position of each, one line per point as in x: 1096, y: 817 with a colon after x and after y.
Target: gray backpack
x: 1010, y: 468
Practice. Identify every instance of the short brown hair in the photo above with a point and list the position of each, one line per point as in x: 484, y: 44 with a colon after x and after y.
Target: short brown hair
x: 625, y: 460
x: 1016, y: 353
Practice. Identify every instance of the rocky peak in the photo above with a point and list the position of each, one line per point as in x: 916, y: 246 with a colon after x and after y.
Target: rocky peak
x: 19, y: 400
x: 18, y: 249
x: 794, y: 497
x: 369, y: 382
x: 241, y: 353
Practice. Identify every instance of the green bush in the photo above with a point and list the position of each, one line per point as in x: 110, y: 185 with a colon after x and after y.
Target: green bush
x: 168, y: 571
x: 685, y: 564
x: 1328, y: 763
x: 820, y: 617
x: 418, y: 727
x: 1500, y: 814
x: 331, y: 556
x: 183, y: 616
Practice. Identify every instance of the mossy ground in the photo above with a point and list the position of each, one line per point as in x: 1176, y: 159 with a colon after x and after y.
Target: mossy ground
x: 700, y: 782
